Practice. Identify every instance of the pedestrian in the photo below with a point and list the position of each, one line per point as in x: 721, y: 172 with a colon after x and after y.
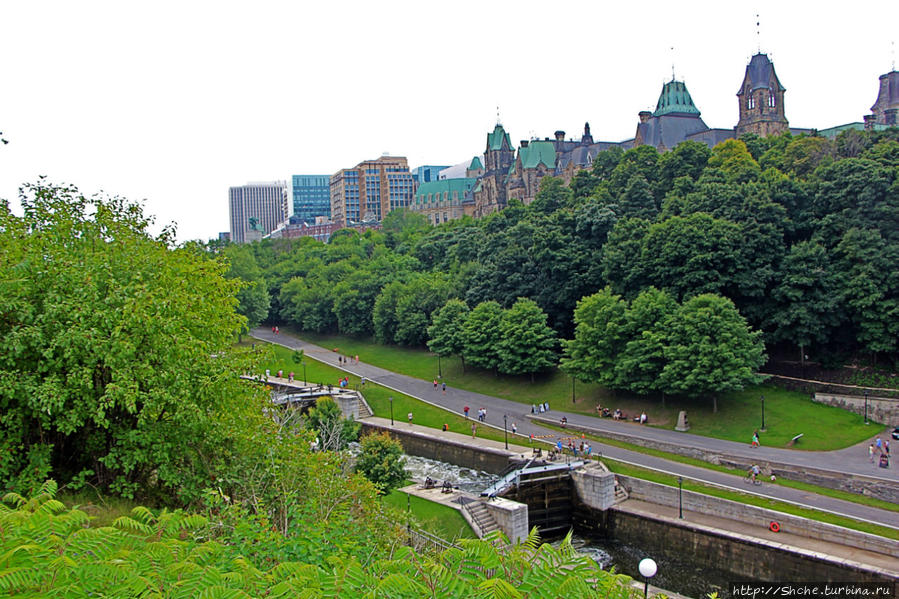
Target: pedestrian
x: 362, y: 381
x: 444, y: 388
x: 435, y: 384
x: 541, y: 409
x: 533, y: 409
x: 290, y: 377
x: 445, y: 427
x: 755, y: 439
x: 886, y: 447
x: 514, y: 428
x: 474, y: 429
x: 410, y: 418
x: 878, y: 444
x: 339, y: 359
x: 280, y: 374
x: 871, y: 452
x: 357, y: 358
x: 546, y: 406
x: 465, y: 409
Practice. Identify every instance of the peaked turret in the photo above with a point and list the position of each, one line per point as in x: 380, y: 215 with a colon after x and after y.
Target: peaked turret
x: 675, y: 99
x: 884, y: 111
x: 761, y: 99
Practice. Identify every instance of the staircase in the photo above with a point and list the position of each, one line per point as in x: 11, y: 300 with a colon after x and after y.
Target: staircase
x: 620, y: 492
x: 478, y: 516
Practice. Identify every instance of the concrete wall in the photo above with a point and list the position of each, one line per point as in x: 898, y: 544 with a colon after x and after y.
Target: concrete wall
x: 715, y: 506
x: 510, y: 516
x: 426, y: 445
x: 745, y: 557
x: 863, y: 485
x: 880, y: 409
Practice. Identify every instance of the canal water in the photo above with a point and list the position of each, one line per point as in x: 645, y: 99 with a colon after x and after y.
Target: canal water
x: 677, y: 575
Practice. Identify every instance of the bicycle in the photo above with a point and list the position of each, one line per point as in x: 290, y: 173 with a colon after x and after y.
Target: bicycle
x: 749, y: 480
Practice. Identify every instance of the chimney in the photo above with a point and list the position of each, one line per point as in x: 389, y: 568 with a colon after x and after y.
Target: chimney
x: 644, y: 116
x: 560, y: 135
x: 524, y: 143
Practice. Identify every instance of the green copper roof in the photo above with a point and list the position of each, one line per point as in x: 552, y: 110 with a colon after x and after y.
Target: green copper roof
x: 495, y: 139
x: 475, y: 164
x: 438, y: 188
x: 538, y: 152
x: 675, y: 99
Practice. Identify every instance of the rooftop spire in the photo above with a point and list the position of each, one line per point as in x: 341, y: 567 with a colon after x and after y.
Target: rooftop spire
x: 758, y: 33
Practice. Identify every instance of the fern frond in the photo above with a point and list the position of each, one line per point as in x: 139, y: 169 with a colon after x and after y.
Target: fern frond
x: 132, y: 525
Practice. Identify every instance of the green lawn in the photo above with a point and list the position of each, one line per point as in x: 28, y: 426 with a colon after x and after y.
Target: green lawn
x: 787, y: 413
x: 443, y: 521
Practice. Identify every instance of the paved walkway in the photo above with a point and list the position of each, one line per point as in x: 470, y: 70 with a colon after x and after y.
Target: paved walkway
x: 455, y: 399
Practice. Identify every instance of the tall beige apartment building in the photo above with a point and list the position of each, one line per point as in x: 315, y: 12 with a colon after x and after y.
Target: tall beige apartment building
x: 369, y: 190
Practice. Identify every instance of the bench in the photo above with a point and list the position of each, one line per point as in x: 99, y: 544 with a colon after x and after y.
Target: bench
x: 794, y: 440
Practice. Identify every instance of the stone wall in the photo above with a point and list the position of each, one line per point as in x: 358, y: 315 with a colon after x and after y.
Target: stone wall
x: 880, y: 409
x: 426, y: 445
x: 510, y: 516
x: 594, y: 486
x: 750, y: 514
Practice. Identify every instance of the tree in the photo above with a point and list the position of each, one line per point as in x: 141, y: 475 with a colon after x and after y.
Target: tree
x: 709, y: 349
x: 446, y: 335
x: 806, y: 308
x: 639, y: 366
x: 599, y: 337
x: 252, y: 297
x: 528, y: 345
x: 381, y: 462
x: 483, y: 334
x: 333, y: 430
x: 115, y: 349
x: 637, y: 200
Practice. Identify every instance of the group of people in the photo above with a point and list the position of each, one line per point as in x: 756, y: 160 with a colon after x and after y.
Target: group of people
x: 345, y: 381
x: 347, y: 359
x: 540, y: 408
x: 583, y: 447
x: 617, y: 414
x: 882, y: 450
x: 438, y: 383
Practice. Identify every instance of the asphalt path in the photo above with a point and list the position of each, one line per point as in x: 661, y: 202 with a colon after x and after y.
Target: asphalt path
x: 853, y: 460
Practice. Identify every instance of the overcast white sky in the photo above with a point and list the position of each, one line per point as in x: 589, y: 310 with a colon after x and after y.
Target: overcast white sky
x: 174, y: 102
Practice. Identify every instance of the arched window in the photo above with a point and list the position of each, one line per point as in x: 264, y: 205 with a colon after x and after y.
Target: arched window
x: 772, y: 100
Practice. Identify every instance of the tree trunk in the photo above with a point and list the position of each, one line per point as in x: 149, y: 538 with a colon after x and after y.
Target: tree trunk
x: 461, y: 357
x: 663, y: 400
x: 714, y: 404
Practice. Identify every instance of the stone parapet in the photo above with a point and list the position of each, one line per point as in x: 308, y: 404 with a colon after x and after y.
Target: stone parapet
x: 594, y: 486
x: 880, y: 409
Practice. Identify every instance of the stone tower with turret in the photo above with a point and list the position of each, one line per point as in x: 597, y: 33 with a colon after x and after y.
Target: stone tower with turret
x: 761, y: 99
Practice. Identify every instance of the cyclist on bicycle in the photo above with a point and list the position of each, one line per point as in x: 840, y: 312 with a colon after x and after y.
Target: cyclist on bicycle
x: 753, y: 473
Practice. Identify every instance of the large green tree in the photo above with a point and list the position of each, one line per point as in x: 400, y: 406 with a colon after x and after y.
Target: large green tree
x: 116, y: 364
x: 528, y: 344
x: 483, y: 335
x: 599, y: 337
x: 446, y: 335
x: 710, y: 349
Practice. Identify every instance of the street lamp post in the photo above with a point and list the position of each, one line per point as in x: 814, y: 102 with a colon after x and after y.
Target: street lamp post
x: 866, y: 406
x: 505, y: 430
x: 647, y: 569
x: 680, y: 497
x: 763, y: 414
x: 390, y: 399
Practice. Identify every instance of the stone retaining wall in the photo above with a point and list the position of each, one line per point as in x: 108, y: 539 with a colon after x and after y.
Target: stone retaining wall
x: 732, y: 510
x: 880, y: 409
x: 743, y: 557
x: 427, y: 446
x: 510, y: 516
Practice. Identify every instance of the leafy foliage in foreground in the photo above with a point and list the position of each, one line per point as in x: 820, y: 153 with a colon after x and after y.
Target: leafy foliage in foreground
x: 49, y: 551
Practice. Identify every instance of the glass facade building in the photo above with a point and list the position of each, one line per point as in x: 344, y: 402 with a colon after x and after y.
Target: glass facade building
x: 311, y: 197
x: 371, y: 189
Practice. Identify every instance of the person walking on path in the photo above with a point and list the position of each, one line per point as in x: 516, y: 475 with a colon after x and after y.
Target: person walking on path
x: 514, y: 428
x: 871, y: 452
x: 474, y: 430
x: 444, y: 388
x: 410, y: 418
x: 435, y: 384
x: 465, y: 409
x: 755, y: 439
x: 878, y: 444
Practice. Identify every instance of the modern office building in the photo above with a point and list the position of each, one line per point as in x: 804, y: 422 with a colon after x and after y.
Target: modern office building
x: 426, y: 174
x: 371, y: 189
x: 311, y: 197
x: 264, y: 203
